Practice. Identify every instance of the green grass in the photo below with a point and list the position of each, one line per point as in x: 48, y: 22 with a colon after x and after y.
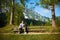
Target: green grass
x: 46, y: 28
x: 9, y: 28
x: 30, y: 37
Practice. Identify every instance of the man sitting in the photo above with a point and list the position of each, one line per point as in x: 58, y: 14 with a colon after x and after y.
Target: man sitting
x: 22, y: 27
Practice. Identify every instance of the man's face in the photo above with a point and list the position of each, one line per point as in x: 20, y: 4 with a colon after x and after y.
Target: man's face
x: 22, y: 22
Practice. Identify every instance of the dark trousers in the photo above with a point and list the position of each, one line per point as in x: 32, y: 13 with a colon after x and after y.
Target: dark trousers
x: 21, y: 30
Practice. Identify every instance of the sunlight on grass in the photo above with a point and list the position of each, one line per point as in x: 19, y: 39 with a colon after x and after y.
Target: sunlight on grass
x: 9, y: 28
x: 30, y: 37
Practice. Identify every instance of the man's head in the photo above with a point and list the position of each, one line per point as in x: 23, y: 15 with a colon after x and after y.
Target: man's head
x: 22, y: 21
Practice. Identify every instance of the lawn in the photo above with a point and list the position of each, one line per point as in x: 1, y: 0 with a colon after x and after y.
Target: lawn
x: 9, y: 28
x: 30, y: 37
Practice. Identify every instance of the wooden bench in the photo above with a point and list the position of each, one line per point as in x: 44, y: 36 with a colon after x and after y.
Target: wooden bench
x: 35, y: 30
x: 16, y: 30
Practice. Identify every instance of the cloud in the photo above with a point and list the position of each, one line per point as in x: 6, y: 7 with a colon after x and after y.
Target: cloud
x: 43, y: 12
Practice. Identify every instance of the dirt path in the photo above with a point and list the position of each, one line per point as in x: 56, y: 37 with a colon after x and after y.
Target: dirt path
x: 45, y: 33
x: 31, y: 33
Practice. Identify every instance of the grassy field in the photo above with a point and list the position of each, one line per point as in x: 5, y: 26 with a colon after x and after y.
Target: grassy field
x: 9, y: 28
x: 30, y: 37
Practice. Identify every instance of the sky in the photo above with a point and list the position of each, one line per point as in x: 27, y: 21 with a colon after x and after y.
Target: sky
x: 42, y: 11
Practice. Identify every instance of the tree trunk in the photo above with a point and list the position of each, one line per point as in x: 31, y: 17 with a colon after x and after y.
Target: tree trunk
x: 11, y: 17
x: 0, y: 7
x: 12, y: 12
x: 53, y: 16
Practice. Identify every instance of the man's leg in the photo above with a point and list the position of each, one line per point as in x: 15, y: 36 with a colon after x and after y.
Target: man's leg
x: 20, y: 30
x: 25, y: 31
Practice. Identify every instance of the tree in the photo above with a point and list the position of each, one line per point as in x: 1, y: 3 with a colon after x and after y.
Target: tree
x: 3, y: 11
x: 18, y: 13
x: 12, y: 12
x: 3, y: 19
x: 31, y: 24
x: 58, y: 21
x: 52, y: 4
x: 48, y: 23
x: 14, y: 8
